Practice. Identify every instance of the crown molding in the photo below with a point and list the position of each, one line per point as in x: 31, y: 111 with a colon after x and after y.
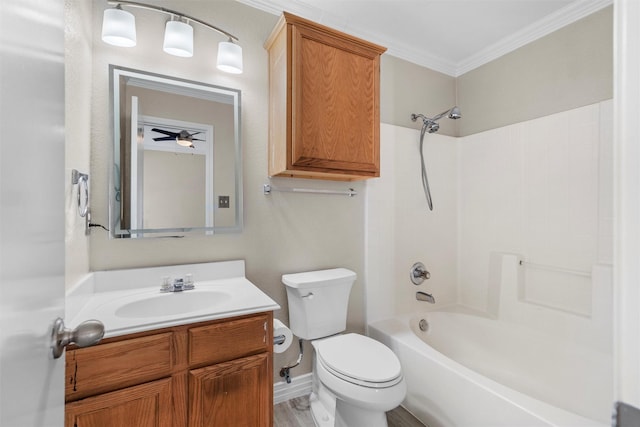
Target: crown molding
x: 553, y: 22
x: 561, y: 18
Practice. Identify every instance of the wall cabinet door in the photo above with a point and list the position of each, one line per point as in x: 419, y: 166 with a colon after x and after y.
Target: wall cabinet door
x: 324, y: 102
x: 146, y: 405
x: 233, y: 394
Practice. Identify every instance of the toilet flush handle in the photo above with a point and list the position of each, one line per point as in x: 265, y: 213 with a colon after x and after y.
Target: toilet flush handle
x: 308, y: 296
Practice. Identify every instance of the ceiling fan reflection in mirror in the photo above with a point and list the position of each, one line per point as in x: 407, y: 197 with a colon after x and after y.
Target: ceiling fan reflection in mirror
x: 183, y: 137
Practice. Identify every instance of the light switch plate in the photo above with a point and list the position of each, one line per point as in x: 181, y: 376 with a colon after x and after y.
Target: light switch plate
x: 223, y: 201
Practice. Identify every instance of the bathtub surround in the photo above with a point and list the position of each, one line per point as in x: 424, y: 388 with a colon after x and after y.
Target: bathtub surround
x: 400, y: 228
x: 521, y: 232
x: 541, y: 189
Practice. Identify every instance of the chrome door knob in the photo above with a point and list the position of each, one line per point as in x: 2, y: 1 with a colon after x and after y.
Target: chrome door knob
x: 86, y: 334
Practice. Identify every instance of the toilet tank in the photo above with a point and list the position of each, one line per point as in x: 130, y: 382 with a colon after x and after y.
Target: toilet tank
x: 318, y: 301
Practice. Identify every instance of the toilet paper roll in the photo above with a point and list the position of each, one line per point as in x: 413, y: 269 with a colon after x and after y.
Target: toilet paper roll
x: 279, y: 329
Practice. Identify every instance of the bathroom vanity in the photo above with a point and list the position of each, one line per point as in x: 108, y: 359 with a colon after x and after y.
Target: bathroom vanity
x: 189, y: 366
x: 202, y: 374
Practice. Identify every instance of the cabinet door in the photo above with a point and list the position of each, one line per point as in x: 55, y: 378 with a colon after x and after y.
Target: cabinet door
x: 146, y: 405
x: 336, y: 122
x: 233, y: 394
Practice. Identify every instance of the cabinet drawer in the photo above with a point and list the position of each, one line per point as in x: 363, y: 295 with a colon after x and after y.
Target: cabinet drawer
x: 107, y: 367
x: 228, y: 340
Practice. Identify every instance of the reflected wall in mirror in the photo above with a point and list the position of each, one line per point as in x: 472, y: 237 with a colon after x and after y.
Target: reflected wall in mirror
x: 176, y: 155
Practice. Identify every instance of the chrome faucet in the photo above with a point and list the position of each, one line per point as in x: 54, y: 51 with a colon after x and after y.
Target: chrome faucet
x: 423, y: 296
x: 179, y: 284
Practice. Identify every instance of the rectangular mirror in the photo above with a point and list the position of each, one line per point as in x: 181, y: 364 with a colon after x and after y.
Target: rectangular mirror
x: 177, y: 157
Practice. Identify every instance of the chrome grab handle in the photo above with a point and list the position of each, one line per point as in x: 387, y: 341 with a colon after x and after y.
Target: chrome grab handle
x: 419, y: 273
x: 86, y: 334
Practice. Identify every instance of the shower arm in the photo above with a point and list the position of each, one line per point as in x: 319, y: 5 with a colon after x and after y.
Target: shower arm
x: 441, y: 115
x: 427, y: 120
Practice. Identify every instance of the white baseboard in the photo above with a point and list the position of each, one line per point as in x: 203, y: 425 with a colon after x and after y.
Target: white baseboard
x: 300, y: 386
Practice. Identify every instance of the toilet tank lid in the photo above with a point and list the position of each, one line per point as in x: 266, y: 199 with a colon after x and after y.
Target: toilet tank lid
x: 318, y: 278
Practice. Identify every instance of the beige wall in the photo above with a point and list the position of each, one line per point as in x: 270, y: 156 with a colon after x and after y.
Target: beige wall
x: 78, y: 49
x: 569, y: 68
x: 174, y: 189
x: 409, y: 88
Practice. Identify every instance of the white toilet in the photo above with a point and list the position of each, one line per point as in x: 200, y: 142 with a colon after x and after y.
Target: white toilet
x: 355, y: 378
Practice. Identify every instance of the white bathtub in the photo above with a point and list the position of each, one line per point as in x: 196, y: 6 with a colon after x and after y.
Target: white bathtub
x: 467, y: 370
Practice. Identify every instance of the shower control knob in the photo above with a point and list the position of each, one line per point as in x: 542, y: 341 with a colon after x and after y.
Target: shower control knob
x: 419, y: 273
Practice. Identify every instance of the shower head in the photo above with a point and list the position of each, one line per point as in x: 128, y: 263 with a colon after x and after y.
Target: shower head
x: 454, y: 113
x: 430, y: 124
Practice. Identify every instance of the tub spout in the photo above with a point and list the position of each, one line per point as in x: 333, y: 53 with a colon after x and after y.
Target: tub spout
x: 423, y: 296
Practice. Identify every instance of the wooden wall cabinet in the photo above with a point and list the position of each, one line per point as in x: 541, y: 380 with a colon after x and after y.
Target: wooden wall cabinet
x: 324, y: 102
x: 205, y: 374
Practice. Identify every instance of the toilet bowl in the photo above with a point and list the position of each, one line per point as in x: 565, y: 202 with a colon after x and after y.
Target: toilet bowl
x: 356, y: 379
x: 362, y: 375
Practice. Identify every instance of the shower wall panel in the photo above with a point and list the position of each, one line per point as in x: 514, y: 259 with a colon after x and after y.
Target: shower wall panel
x: 542, y: 189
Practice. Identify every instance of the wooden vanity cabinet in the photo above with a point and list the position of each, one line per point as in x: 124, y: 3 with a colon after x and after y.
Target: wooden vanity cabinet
x: 324, y: 102
x: 204, y: 374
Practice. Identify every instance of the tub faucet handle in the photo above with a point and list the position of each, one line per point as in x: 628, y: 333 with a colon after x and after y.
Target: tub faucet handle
x: 419, y: 273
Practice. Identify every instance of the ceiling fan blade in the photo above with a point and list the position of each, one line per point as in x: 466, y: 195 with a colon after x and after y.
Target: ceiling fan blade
x: 195, y: 133
x: 197, y: 139
x: 166, y: 132
x: 165, y: 138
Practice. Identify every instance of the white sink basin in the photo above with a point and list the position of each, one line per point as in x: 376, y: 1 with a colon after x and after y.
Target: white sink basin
x: 173, y: 303
x: 130, y: 301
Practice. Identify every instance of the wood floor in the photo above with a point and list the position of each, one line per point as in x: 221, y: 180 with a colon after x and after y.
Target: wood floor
x: 296, y: 413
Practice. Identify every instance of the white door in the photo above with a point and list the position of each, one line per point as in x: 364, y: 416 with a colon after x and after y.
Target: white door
x: 627, y: 206
x: 31, y: 210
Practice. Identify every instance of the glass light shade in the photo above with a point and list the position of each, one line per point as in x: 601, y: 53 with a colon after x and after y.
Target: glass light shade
x: 178, y: 39
x: 184, y: 142
x: 229, y: 57
x: 119, y: 27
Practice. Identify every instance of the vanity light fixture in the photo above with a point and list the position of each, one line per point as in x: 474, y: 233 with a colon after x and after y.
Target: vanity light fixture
x: 229, y: 57
x: 118, y: 28
x: 178, y: 39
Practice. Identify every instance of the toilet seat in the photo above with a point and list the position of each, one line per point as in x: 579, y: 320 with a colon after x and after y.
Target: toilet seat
x: 359, y: 360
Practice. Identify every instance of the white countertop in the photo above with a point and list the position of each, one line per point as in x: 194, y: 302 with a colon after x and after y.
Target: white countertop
x: 125, y: 311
